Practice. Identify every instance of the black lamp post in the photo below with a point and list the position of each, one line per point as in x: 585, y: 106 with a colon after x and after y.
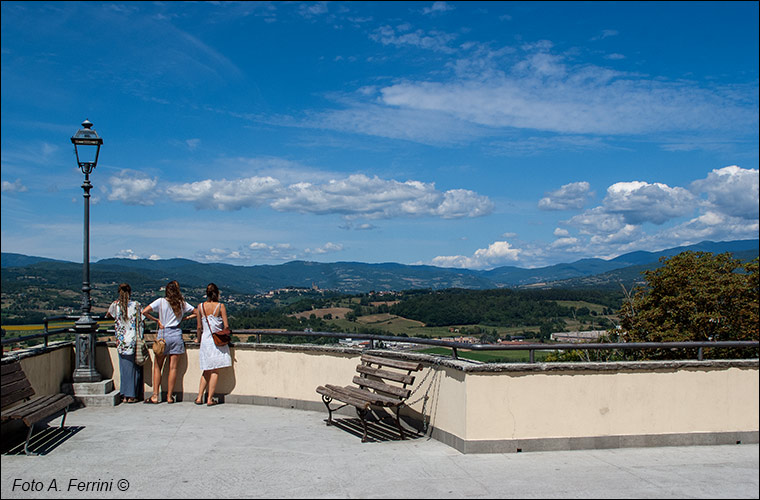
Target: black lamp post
x: 87, y: 148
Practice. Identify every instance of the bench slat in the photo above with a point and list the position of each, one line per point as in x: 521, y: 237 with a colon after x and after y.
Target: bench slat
x: 340, y: 395
x: 15, y: 386
x: 50, y: 409
x: 376, y: 372
x: 12, y: 377
x: 15, y: 397
x: 393, y: 363
x: 373, y: 397
x: 392, y: 390
x: 24, y: 409
x: 34, y: 404
x: 8, y: 368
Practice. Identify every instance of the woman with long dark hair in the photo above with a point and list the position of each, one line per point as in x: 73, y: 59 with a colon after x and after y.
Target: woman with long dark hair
x: 211, y: 317
x: 171, y: 310
x: 128, y: 325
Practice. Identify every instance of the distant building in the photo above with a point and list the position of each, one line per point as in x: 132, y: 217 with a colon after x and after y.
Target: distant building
x: 586, y: 336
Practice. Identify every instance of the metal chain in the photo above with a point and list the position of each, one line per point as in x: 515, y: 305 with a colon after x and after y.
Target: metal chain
x: 424, y: 397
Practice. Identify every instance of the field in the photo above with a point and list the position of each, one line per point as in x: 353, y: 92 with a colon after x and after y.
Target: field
x: 490, y: 356
x: 336, y: 312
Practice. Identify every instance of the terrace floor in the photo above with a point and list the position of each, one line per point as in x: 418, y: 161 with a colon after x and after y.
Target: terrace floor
x: 235, y: 450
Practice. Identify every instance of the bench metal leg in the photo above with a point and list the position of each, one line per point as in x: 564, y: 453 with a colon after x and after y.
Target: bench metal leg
x: 363, y: 415
x: 65, y: 412
x: 26, y: 444
x: 398, y: 423
x: 327, y: 400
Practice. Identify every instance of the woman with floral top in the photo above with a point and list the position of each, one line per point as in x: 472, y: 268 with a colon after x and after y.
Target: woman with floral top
x: 128, y: 325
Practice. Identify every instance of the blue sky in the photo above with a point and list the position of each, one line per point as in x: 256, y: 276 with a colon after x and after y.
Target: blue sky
x: 456, y: 134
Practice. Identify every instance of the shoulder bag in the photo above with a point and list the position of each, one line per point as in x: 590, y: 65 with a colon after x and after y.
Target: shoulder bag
x: 159, y: 345
x: 223, y: 336
x: 141, y: 351
x: 141, y: 348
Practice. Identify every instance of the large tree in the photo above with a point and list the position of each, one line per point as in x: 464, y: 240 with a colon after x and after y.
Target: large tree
x: 694, y: 296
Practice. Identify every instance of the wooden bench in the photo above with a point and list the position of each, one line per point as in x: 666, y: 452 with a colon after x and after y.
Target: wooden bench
x: 372, y: 388
x: 16, y: 388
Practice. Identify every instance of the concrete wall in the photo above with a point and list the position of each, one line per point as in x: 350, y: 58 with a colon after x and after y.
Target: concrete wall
x: 48, y: 368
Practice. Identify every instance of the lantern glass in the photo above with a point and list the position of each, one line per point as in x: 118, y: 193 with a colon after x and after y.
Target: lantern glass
x: 87, y: 147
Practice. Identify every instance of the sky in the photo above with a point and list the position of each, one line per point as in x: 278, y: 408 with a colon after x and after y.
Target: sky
x: 455, y: 134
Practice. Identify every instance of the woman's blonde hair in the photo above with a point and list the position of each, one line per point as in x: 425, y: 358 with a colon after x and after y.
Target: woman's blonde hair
x: 175, y: 298
x: 124, y: 292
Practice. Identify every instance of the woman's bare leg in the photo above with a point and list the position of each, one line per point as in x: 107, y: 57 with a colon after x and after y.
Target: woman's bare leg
x: 158, y: 363
x: 173, y: 364
x: 213, y: 377
x: 202, y: 387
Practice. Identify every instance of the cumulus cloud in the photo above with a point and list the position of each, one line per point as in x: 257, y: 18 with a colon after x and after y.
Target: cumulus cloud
x: 127, y: 254
x: 640, y: 202
x: 353, y: 196
x: 224, y: 194
x: 497, y: 253
x: 731, y: 190
x: 728, y: 211
x: 571, y: 196
x: 13, y: 187
x: 132, y: 188
x: 372, y: 197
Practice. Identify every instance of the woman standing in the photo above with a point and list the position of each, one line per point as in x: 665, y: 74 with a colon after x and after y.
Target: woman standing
x: 128, y: 325
x: 211, y: 317
x: 170, y: 314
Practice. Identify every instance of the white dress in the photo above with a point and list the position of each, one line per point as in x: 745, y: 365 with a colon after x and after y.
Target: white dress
x: 211, y: 355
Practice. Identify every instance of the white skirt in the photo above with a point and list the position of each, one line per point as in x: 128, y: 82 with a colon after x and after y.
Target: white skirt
x: 211, y: 355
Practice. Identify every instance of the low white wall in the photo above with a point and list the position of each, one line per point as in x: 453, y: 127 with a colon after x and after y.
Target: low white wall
x: 487, y: 408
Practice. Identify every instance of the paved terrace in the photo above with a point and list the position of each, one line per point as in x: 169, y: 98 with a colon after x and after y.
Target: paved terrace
x: 239, y: 450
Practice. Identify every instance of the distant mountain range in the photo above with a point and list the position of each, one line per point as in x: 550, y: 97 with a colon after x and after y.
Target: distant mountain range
x: 357, y: 277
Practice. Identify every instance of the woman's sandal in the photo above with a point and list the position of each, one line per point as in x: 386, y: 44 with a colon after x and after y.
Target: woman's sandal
x: 151, y: 401
x: 198, y: 402
x: 213, y: 402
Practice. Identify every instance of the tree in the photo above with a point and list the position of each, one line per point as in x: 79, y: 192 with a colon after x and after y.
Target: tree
x: 694, y: 296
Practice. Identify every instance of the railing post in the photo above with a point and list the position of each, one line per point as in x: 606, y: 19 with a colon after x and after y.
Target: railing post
x: 699, y: 353
x: 454, y: 353
x: 45, y: 330
x: 531, y: 355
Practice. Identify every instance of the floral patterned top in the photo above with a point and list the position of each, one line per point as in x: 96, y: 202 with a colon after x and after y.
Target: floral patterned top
x: 127, y: 331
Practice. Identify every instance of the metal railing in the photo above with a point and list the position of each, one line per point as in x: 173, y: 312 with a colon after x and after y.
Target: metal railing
x: 454, y: 346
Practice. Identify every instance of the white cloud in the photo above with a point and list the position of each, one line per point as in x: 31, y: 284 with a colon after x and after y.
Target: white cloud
x: 399, y: 37
x: 640, y: 202
x: 571, y: 196
x: 731, y: 190
x: 224, y: 194
x: 132, y: 188
x: 127, y: 254
x: 437, y: 8
x: 328, y: 247
x: 564, y: 242
x: 13, y: 187
x: 498, y: 253
x: 362, y: 196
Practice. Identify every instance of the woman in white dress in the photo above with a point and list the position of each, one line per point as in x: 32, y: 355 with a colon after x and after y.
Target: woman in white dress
x: 211, y: 317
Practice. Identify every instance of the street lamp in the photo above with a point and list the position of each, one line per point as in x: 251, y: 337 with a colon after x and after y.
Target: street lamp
x: 87, y: 148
